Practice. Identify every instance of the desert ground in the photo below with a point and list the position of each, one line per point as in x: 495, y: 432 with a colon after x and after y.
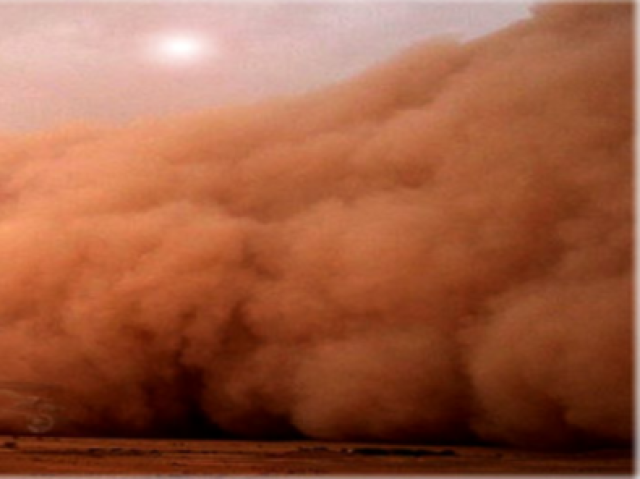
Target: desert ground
x: 57, y: 455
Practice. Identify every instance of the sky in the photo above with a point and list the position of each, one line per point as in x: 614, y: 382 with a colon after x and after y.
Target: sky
x: 118, y: 62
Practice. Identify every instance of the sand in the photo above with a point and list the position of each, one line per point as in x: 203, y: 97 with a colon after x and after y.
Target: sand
x: 56, y: 455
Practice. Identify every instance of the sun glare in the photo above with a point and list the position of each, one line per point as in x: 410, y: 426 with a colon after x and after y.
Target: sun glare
x: 180, y: 49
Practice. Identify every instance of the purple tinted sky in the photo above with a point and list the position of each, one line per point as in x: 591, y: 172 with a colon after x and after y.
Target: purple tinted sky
x: 87, y: 61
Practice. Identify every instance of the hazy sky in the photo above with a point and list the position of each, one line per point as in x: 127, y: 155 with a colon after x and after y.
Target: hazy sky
x: 116, y: 62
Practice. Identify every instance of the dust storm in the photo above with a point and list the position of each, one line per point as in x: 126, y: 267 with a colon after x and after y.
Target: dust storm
x: 437, y: 250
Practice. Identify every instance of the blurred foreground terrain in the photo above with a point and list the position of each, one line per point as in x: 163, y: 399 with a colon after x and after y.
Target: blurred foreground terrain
x: 52, y: 455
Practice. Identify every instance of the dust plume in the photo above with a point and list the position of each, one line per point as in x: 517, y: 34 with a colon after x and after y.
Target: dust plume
x: 438, y: 250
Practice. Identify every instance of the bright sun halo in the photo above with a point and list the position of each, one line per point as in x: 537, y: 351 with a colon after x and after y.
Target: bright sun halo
x: 180, y: 48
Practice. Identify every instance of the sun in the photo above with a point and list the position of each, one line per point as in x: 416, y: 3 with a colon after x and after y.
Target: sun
x: 180, y: 49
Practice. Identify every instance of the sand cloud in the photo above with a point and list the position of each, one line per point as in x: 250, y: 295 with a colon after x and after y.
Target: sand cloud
x: 437, y: 250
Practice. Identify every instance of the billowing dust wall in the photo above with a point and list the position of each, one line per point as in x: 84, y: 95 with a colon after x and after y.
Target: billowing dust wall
x: 437, y: 250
